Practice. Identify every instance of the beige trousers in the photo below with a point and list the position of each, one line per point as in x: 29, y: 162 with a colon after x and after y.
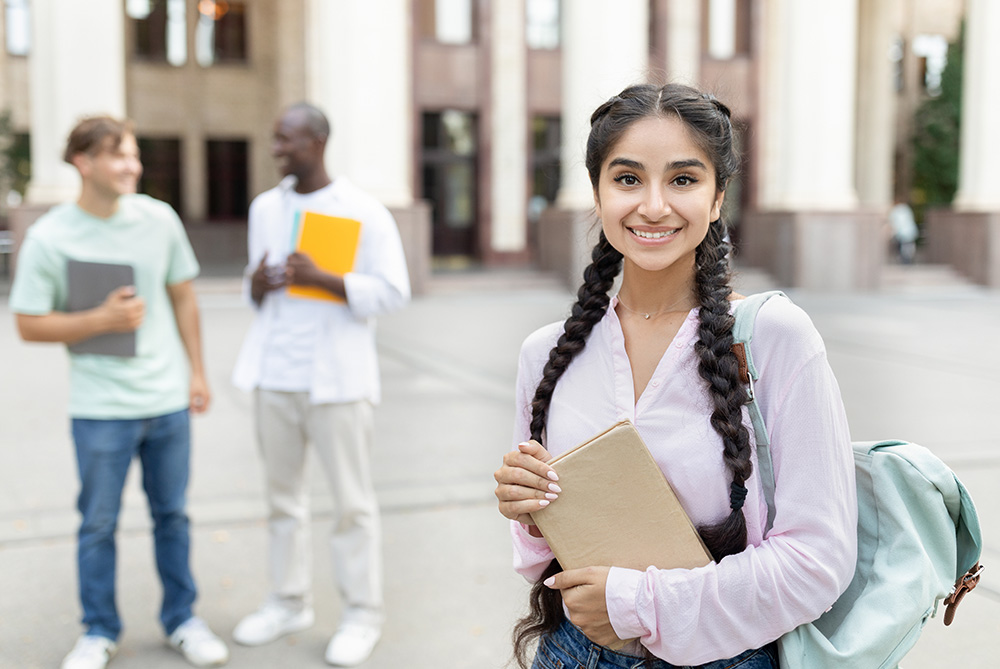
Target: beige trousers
x: 341, y: 435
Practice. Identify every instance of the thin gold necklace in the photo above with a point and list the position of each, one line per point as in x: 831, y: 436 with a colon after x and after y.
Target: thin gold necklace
x: 648, y: 315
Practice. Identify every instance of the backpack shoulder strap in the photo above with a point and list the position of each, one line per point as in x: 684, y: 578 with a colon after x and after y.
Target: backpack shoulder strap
x: 745, y: 314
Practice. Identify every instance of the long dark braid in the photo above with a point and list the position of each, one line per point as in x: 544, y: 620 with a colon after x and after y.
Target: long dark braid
x: 710, y: 125
x: 545, y: 604
x: 718, y: 367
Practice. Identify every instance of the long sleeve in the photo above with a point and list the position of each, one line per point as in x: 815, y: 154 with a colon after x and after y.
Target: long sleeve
x: 786, y: 578
x: 531, y: 554
x: 806, y: 561
x: 381, y: 284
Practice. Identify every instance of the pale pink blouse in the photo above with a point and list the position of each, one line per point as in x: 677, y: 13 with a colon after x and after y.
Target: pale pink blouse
x: 779, y: 582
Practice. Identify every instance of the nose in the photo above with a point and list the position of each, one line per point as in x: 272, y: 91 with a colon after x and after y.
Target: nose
x: 654, y: 205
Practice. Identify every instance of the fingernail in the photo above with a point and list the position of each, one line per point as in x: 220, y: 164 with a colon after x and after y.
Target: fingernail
x: 543, y: 502
x: 550, y: 581
x: 550, y: 495
x: 554, y: 488
x: 552, y: 475
x: 524, y: 443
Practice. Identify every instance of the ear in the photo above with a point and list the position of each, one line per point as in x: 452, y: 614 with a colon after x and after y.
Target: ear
x: 82, y: 162
x: 717, y: 206
x: 597, y: 203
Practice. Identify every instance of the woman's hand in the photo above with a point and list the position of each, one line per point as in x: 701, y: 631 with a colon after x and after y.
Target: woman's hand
x: 583, y: 594
x: 525, y: 483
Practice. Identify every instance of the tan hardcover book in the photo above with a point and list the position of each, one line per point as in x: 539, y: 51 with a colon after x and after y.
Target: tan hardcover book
x: 616, y: 509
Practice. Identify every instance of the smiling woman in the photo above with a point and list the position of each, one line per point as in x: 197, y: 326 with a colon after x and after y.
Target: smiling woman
x: 659, y: 354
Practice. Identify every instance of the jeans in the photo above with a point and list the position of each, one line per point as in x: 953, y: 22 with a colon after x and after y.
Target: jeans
x: 568, y: 648
x: 104, y: 451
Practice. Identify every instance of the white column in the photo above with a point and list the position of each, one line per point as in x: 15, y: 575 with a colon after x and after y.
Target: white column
x: 77, y: 68
x: 509, y: 128
x: 876, y: 113
x: 605, y: 48
x: 979, y: 173
x: 358, y: 73
x: 683, y: 42
x: 809, y: 73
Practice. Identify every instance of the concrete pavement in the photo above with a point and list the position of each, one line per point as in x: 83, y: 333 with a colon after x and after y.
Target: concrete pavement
x: 914, y: 363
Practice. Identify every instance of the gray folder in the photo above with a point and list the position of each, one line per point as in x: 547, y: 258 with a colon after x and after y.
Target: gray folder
x: 89, y: 284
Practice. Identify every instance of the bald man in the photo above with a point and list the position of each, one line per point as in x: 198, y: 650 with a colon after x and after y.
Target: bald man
x: 312, y: 367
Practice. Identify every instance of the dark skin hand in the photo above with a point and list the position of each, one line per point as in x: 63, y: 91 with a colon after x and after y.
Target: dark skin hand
x: 300, y: 270
x: 264, y: 281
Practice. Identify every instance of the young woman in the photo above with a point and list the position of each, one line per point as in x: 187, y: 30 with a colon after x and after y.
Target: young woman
x: 659, y: 354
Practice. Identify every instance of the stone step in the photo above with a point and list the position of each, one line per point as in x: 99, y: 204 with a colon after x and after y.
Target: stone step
x: 921, y: 276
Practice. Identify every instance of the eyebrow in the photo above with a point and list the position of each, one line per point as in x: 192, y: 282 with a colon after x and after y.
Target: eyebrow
x: 675, y: 165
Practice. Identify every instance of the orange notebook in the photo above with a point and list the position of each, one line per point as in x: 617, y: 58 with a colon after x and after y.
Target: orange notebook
x: 331, y: 242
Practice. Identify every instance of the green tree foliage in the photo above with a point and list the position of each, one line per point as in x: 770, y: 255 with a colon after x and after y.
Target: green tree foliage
x: 936, y: 138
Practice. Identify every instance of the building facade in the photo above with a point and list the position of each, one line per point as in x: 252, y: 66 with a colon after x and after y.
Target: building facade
x: 467, y: 117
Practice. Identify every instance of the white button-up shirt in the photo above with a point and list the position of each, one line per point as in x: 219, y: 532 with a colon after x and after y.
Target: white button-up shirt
x: 337, y: 339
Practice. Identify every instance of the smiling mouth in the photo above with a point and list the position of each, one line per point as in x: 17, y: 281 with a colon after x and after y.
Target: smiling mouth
x: 654, y: 235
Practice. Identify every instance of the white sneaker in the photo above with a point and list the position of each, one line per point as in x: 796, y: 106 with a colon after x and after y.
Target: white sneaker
x: 198, y: 644
x: 352, y: 644
x: 90, y: 652
x: 270, y: 622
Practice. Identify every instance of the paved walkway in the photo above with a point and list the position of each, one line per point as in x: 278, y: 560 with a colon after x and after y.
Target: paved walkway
x: 916, y: 364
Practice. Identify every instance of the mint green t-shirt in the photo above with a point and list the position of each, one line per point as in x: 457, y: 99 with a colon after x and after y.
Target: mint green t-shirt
x: 148, y: 235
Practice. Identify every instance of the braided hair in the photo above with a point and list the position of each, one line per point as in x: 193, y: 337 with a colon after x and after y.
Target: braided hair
x: 708, y: 121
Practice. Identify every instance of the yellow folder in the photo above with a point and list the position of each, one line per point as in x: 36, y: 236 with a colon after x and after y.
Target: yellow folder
x: 331, y: 242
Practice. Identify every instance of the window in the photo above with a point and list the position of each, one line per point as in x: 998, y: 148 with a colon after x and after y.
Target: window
x: 545, y: 161
x: 160, y: 30
x: 897, y: 49
x: 228, y: 189
x: 449, y: 155
x: 542, y: 24
x: 932, y: 50
x: 221, y: 35
x: 447, y: 21
x: 729, y: 28
x: 161, y: 173
x: 17, y: 21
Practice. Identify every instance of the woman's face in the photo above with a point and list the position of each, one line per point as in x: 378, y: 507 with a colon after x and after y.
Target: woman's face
x: 656, y: 194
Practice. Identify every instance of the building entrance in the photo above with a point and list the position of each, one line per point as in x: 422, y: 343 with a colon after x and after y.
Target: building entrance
x: 449, y: 174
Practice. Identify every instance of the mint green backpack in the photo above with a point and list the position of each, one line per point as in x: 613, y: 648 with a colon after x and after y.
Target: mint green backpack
x: 917, y: 533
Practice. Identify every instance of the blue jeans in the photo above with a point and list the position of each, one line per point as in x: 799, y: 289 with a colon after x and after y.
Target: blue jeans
x: 569, y: 648
x: 104, y: 451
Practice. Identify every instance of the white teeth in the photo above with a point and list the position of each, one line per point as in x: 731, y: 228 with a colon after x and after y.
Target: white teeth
x: 653, y: 235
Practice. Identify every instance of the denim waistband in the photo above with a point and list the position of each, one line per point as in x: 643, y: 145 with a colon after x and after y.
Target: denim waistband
x: 568, y: 643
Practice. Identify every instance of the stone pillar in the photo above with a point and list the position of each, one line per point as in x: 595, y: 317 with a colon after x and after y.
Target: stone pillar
x: 605, y: 48
x: 509, y: 129
x: 358, y: 70
x: 969, y: 236
x: 876, y: 110
x: 683, y: 42
x: 809, y: 230
x: 77, y: 69
x: 979, y: 172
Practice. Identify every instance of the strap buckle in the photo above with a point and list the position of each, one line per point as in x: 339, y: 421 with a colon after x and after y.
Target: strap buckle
x: 739, y: 350
x: 964, y: 585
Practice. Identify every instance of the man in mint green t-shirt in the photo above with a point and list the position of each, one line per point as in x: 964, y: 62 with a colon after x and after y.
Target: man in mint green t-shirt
x: 127, y: 401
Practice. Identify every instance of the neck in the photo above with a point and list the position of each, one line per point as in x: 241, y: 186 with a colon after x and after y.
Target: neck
x: 97, y: 204
x: 671, y: 289
x: 312, y: 182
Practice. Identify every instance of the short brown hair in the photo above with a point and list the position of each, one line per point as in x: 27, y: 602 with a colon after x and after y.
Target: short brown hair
x: 90, y: 135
